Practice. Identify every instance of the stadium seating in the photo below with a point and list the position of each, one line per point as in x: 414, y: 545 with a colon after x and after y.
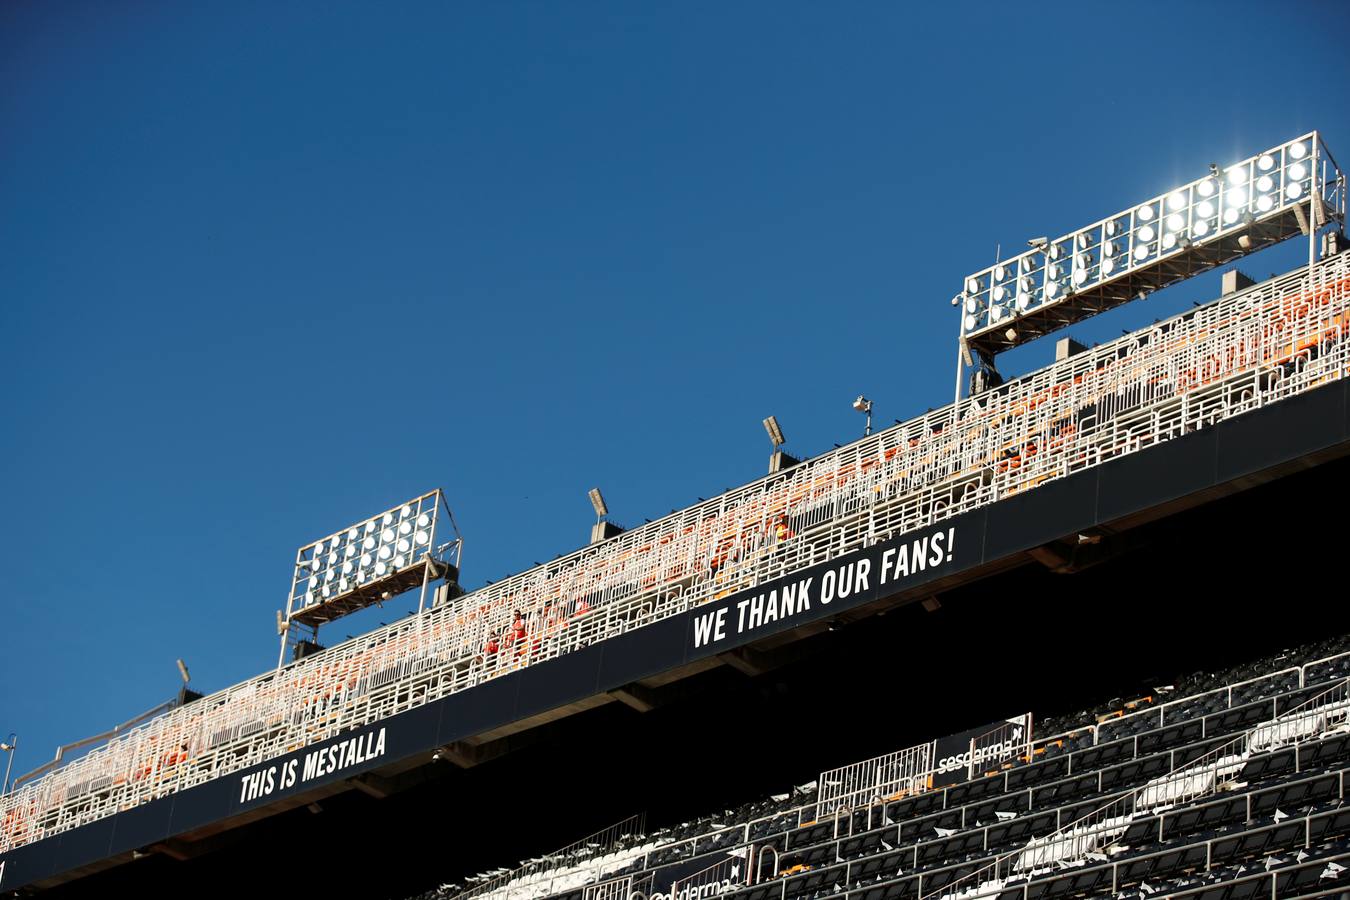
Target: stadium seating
x: 1221, y: 360
x: 1277, y: 825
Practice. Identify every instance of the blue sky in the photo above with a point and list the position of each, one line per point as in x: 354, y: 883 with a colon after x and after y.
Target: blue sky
x: 270, y: 268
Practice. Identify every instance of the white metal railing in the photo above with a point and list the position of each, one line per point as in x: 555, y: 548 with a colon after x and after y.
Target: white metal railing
x: 1236, y: 354
x: 903, y: 771
x: 598, y: 844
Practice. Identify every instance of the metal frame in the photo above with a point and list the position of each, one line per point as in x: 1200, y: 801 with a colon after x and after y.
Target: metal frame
x: 1278, y: 339
x: 367, y: 564
x: 1173, y: 236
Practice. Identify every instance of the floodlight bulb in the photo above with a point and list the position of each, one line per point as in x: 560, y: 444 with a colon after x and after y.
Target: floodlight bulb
x: 1201, y: 228
x: 315, y: 564
x: 1146, y: 233
x: 1080, y: 276
x: 1265, y: 183
x: 1237, y: 176
x: 1111, y: 229
x: 1298, y: 171
x: 327, y: 591
x: 1145, y: 213
x: 423, y: 520
x: 1108, y: 266
x: 999, y: 294
x: 399, y: 562
x: 1084, y: 240
x: 1266, y: 162
x: 970, y: 323
x: 1298, y: 150
x: 1206, y: 188
x: 353, y: 534
x: 347, y: 567
x: 995, y: 314
x: 1293, y: 192
x: 1027, y: 283
x: 1055, y: 271
x: 403, y: 545
x: 387, y: 535
x: 385, y: 552
x: 344, y: 585
x: 329, y: 575
x: 1177, y: 201
x: 1109, y: 249
x: 1023, y: 300
x: 971, y: 305
x: 361, y: 577
x: 1051, y: 289
x: 405, y: 528
x: 366, y: 560
x: 1264, y: 203
x: 1204, y: 209
x: 369, y: 542
x: 1176, y: 222
x: 1236, y: 198
x: 1141, y: 251
x: 1169, y: 241
x: 972, y: 286
x: 388, y: 519
x: 1230, y: 216
x: 1000, y: 273
x: 421, y: 538
x: 381, y: 568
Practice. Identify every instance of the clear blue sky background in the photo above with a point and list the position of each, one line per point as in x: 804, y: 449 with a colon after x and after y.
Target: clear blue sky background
x: 268, y: 268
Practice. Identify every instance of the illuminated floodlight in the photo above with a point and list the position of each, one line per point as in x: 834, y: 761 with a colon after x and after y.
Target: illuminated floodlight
x: 1224, y: 214
x: 362, y: 564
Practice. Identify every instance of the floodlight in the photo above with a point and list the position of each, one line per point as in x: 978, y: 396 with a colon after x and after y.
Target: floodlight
x: 775, y: 433
x: 863, y: 405
x: 388, y: 553
x: 598, y: 503
x: 1225, y: 213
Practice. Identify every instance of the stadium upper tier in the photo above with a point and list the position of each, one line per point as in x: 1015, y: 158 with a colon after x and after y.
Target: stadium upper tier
x: 1236, y: 354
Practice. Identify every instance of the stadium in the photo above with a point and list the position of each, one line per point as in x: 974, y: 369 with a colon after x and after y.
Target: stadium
x: 945, y: 660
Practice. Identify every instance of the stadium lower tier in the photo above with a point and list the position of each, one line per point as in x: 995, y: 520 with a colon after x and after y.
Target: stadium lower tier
x: 1239, y: 802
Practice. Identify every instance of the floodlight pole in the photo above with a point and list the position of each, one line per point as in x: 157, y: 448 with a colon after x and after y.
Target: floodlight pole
x: 1314, y: 201
x: 8, y: 746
